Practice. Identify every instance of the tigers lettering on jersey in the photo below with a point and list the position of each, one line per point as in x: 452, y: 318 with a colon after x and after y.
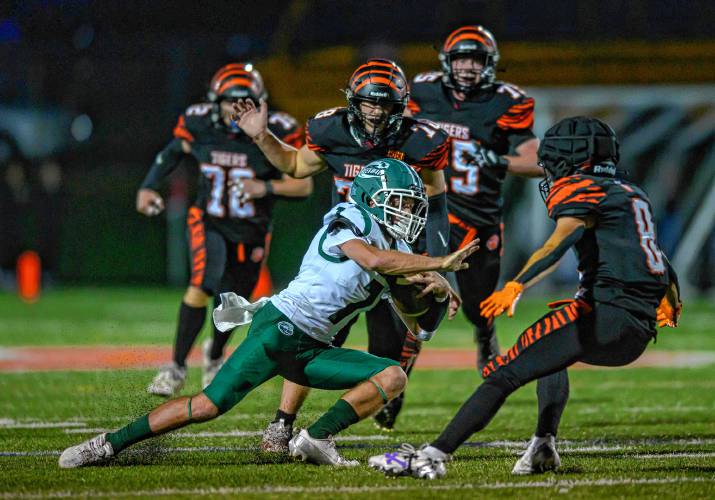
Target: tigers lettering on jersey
x: 226, y: 157
x: 499, y: 118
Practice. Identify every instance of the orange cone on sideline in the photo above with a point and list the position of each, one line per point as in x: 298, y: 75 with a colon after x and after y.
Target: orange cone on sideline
x: 29, y: 276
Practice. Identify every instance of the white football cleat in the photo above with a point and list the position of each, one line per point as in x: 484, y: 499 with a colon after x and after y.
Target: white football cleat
x: 211, y: 366
x: 317, y: 451
x: 92, y: 451
x: 540, y: 456
x: 168, y: 381
x: 425, y: 463
x: 276, y: 437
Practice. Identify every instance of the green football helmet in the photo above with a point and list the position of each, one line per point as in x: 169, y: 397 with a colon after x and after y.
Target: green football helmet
x: 393, y: 194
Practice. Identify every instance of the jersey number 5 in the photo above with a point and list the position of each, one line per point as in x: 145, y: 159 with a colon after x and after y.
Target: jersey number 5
x: 217, y: 175
x: 646, y: 231
x: 464, y: 154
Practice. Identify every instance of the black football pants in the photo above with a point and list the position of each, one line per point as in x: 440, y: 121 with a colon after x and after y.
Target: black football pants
x: 601, y: 335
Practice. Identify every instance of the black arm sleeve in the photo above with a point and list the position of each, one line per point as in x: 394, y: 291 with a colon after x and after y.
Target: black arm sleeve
x: 165, y: 163
x: 551, y: 258
x: 672, y: 276
x: 437, y: 227
x: 430, y: 320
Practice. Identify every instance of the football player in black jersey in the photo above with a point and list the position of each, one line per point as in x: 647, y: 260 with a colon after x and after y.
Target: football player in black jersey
x: 489, y: 123
x: 231, y: 217
x: 626, y: 287
x: 343, y: 140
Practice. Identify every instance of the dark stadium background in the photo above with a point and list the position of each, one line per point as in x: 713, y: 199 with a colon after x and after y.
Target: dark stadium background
x: 90, y: 90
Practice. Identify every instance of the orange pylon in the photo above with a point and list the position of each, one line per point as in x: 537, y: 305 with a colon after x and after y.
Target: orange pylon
x: 29, y: 276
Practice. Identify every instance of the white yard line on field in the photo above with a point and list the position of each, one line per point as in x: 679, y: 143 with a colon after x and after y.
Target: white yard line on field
x: 561, y: 486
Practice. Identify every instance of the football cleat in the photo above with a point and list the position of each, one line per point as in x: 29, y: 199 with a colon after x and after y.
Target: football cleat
x: 540, y: 456
x: 276, y: 437
x: 424, y: 463
x: 487, y: 350
x: 318, y: 451
x: 385, y: 418
x: 168, y: 381
x: 210, y: 366
x: 92, y: 451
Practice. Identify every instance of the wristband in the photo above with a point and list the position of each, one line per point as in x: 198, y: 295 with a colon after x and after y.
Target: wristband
x: 269, y: 188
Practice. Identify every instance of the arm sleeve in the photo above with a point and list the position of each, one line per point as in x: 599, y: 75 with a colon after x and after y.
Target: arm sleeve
x: 164, y: 163
x: 430, y: 320
x: 437, y: 226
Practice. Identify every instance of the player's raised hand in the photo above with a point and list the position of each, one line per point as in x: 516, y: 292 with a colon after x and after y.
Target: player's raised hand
x: 149, y: 202
x: 251, y: 119
x: 502, y: 300
x: 455, y: 261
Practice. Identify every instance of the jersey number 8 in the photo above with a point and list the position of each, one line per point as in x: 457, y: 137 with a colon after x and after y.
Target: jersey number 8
x: 646, y: 231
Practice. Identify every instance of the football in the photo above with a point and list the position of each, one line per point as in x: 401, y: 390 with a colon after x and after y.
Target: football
x: 404, y: 295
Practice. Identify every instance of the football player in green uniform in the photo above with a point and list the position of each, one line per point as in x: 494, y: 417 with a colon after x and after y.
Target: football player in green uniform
x: 342, y: 273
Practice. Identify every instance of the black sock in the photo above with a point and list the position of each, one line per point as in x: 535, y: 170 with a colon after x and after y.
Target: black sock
x: 219, y: 343
x: 553, y: 393
x: 288, y: 418
x: 473, y: 416
x: 191, y: 319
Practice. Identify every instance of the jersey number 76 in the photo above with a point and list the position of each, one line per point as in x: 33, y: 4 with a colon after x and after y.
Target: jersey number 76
x: 219, y: 179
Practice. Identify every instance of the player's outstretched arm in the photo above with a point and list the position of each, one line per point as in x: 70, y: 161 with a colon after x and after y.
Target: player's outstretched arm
x: 524, y: 162
x: 149, y: 202
x: 400, y: 263
x: 542, y: 262
x: 289, y: 160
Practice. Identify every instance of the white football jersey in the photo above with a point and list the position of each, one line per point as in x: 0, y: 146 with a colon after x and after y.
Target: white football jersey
x: 331, y: 289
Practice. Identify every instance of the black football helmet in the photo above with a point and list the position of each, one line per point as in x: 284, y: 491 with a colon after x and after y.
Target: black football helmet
x: 470, y: 41
x: 379, y: 81
x: 235, y: 81
x: 577, y: 144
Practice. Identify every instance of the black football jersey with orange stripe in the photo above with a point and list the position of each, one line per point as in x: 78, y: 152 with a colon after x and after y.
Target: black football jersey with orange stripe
x: 499, y: 118
x: 224, y: 156
x: 328, y: 134
x: 620, y: 262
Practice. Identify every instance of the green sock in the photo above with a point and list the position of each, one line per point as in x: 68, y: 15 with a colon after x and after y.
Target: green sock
x: 129, y: 434
x: 337, y: 418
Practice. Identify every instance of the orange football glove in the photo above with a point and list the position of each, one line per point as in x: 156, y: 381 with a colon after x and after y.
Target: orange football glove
x: 667, y: 315
x: 502, y: 300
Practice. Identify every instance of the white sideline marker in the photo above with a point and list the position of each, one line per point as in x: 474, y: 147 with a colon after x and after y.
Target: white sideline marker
x: 561, y: 486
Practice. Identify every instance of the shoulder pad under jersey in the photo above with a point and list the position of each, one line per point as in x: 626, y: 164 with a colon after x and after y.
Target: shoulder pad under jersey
x: 328, y: 129
x: 425, y: 144
x: 515, y: 107
x: 425, y: 87
x: 575, y: 195
x: 286, y: 128
x: 352, y: 217
x: 196, y: 119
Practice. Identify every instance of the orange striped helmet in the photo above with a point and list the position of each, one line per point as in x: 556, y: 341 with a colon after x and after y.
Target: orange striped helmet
x: 470, y: 41
x: 237, y: 81
x: 378, y: 81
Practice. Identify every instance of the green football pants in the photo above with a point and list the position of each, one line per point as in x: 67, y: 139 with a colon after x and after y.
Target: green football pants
x: 275, y: 346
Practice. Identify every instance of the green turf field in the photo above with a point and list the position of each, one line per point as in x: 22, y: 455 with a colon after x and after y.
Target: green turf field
x: 642, y: 432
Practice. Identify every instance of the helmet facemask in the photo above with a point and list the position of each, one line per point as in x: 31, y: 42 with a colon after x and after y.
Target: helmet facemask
x: 357, y: 120
x: 401, y: 222
x: 487, y: 73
